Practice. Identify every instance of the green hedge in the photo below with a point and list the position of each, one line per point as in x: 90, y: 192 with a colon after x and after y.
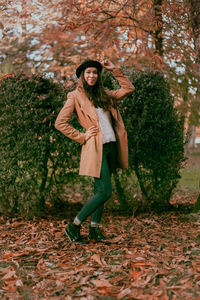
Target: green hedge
x: 156, y: 138
x: 37, y: 161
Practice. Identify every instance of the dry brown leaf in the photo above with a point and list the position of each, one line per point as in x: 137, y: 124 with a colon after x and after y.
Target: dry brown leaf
x: 117, y: 278
x: 10, y: 275
x: 8, y: 255
x: 161, y: 259
x: 41, y: 265
x: 98, y: 259
x: 101, y: 283
x: 135, y: 273
x: 19, y: 282
x: 124, y: 293
x: 6, y: 270
x: 117, y: 239
x: 10, y: 287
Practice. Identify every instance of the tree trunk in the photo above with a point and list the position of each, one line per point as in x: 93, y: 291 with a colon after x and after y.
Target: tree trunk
x: 192, y: 137
x: 195, y: 21
x: 197, y: 205
x: 157, y: 4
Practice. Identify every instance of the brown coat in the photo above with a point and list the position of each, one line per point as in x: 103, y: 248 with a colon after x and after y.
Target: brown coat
x: 91, y: 154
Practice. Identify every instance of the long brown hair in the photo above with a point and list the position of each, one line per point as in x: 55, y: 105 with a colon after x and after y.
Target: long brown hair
x: 97, y: 94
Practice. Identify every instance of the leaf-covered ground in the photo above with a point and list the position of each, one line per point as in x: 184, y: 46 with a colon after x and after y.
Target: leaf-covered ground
x: 148, y: 257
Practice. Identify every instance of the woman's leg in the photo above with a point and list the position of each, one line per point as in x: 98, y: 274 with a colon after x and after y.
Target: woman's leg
x: 111, y: 160
x: 94, y: 206
x: 102, y: 191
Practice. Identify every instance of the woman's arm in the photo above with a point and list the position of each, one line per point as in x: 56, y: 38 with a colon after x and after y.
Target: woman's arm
x: 62, y: 121
x: 126, y: 86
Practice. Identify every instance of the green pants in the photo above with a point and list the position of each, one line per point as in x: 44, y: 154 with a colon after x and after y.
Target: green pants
x: 102, y: 186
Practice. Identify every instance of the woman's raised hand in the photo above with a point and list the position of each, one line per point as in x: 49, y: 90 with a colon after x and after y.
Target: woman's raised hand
x: 92, y: 131
x: 108, y: 65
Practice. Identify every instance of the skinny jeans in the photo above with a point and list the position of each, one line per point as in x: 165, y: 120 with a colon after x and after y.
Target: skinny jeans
x: 102, y: 186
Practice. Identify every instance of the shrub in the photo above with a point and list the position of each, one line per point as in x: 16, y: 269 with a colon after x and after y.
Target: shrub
x: 35, y: 158
x: 155, y: 136
x: 37, y: 161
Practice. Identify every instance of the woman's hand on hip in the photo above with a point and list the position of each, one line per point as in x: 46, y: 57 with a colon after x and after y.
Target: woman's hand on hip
x: 92, y: 131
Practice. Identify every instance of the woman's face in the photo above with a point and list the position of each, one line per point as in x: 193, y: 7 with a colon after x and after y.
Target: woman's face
x: 91, y: 75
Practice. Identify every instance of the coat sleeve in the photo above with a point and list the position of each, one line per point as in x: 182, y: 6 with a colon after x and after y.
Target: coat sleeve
x: 126, y: 86
x: 62, y: 121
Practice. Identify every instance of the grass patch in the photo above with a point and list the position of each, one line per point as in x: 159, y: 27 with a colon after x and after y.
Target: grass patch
x: 190, y: 180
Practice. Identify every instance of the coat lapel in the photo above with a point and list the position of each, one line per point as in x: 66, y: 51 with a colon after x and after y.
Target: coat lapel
x: 86, y: 105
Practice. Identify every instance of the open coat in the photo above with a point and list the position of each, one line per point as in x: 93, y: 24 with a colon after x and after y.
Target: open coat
x: 91, y: 154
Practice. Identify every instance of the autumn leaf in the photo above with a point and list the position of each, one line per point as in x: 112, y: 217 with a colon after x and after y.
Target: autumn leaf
x: 104, y: 287
x: 99, y: 260
x: 41, y: 265
x: 135, y: 274
x: 8, y: 255
x: 10, y: 275
x: 101, y: 283
x: 124, y: 293
x: 160, y: 259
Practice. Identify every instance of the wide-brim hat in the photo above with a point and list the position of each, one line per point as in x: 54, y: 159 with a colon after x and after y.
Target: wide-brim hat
x: 87, y: 64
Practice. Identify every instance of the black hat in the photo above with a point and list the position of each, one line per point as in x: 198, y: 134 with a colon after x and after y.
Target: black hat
x: 87, y: 64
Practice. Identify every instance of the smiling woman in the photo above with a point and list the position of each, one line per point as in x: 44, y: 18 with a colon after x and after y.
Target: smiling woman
x: 104, y: 144
x: 90, y: 76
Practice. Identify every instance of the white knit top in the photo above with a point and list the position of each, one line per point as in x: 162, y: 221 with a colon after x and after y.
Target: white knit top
x: 105, y: 122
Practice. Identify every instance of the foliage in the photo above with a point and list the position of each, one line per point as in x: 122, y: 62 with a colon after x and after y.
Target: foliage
x: 155, y: 133
x: 138, y: 33
x: 37, y: 162
x: 20, y: 25
x: 65, y: 32
x: 155, y: 136
x: 34, y: 156
x: 60, y: 34
x: 147, y: 257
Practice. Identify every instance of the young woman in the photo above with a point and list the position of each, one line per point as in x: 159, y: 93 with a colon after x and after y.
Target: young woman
x: 104, y: 143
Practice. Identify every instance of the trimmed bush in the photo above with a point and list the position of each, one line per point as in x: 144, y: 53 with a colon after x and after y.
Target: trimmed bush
x: 36, y: 160
x: 155, y: 135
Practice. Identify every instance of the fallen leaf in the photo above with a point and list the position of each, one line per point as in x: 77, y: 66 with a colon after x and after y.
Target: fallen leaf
x: 124, y: 293
x: 98, y: 259
x: 101, y: 283
x: 8, y: 255
x: 19, y: 282
x: 135, y: 273
x: 9, y: 275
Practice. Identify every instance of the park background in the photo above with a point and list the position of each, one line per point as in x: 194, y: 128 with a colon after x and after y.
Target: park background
x: 153, y: 254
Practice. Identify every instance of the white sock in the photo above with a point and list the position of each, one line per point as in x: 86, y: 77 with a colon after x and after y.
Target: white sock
x: 77, y: 221
x: 94, y: 224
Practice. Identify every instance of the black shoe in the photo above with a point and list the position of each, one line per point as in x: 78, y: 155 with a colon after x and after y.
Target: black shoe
x: 73, y: 233
x: 96, y: 234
